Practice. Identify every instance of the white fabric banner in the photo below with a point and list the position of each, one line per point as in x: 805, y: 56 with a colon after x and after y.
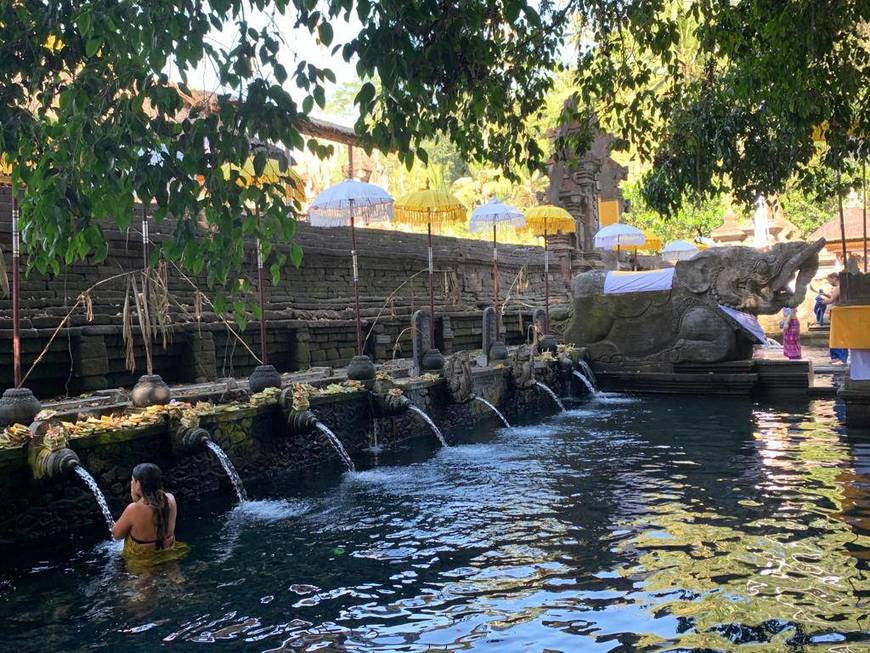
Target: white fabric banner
x: 859, y: 364
x: 748, y: 323
x: 616, y: 283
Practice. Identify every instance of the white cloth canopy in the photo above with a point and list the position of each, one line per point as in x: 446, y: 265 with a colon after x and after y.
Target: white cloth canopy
x: 493, y: 213
x: 703, y: 240
x: 678, y: 250
x: 618, y: 235
x: 333, y: 206
x: 747, y: 322
x: 617, y: 283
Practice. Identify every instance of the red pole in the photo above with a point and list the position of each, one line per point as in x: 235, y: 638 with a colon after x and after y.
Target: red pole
x: 495, y: 282
x: 16, y: 318
x: 431, y: 286
x: 261, y: 285
x: 546, y: 281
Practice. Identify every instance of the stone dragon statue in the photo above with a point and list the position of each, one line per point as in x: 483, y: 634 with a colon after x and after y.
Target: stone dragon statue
x: 686, y: 324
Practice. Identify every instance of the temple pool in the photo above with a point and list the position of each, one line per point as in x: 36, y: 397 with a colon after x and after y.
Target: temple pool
x: 655, y: 524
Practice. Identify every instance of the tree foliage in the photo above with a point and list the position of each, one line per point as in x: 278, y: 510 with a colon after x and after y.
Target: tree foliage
x: 729, y: 96
x: 91, y: 122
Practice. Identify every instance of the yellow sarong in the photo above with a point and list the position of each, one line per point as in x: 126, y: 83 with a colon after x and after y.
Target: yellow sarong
x: 850, y: 327
x: 140, y: 557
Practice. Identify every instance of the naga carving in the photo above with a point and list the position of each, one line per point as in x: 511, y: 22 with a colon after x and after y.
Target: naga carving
x: 685, y: 324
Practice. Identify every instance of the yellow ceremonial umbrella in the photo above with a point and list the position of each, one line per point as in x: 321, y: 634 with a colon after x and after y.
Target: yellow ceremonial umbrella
x: 542, y: 221
x: 5, y: 171
x: 272, y: 174
x: 429, y: 207
x: 295, y: 190
x: 652, y: 244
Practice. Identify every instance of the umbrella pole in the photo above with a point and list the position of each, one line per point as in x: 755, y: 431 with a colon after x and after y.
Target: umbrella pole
x: 359, y: 342
x: 16, y: 280
x: 495, y: 282
x: 261, y: 285
x: 546, y: 281
x: 617, y: 253
x: 842, y: 219
x: 864, y: 195
x: 149, y: 364
x: 431, y: 286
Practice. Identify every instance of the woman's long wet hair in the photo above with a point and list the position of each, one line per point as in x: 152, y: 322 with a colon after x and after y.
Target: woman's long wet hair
x: 151, y: 482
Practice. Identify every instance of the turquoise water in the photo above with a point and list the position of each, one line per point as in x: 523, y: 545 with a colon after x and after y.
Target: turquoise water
x: 656, y: 524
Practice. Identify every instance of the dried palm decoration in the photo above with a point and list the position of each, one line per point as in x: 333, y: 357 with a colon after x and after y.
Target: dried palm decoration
x: 127, y: 329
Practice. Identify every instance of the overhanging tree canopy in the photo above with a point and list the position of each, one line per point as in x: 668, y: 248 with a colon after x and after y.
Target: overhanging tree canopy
x: 91, y: 121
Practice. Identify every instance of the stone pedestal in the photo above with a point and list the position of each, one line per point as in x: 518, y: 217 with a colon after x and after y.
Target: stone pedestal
x: 421, y: 337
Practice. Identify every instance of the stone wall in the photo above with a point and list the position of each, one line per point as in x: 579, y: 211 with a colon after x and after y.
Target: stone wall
x: 310, y: 316
x: 256, y: 441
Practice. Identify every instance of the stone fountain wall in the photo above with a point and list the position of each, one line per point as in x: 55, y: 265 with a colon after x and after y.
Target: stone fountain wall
x: 310, y: 317
x: 254, y: 438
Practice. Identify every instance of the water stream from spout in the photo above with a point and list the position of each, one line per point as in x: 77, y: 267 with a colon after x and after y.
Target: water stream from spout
x: 336, y: 444
x: 494, y: 409
x: 227, y: 464
x: 98, y: 495
x: 431, y: 424
x: 552, y: 394
x: 586, y: 382
x: 587, y: 371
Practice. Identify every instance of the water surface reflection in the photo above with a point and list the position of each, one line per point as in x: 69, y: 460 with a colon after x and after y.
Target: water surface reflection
x: 620, y: 525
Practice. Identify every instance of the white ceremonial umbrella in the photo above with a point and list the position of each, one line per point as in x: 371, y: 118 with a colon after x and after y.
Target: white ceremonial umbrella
x: 760, y: 223
x: 678, y: 250
x: 347, y: 204
x: 492, y: 214
x: 618, y: 235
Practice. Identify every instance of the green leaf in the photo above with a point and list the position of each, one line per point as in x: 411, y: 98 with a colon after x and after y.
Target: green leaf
x: 295, y: 255
x: 324, y: 33
x: 92, y: 46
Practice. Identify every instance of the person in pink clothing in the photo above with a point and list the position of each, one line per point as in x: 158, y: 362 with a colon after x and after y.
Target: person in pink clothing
x: 791, y: 334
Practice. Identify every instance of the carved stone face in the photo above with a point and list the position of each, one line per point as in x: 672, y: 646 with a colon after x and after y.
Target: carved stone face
x: 750, y: 280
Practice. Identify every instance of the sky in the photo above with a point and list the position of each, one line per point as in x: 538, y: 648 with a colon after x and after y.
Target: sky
x: 299, y: 45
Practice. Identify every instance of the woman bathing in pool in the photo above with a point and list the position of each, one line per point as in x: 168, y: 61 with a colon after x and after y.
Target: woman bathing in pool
x: 148, y: 524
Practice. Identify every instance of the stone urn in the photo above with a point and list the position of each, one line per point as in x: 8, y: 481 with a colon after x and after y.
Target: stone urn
x: 432, y: 361
x: 263, y: 376
x: 548, y: 343
x: 361, y: 368
x: 498, y: 352
x: 150, y: 390
x: 18, y: 406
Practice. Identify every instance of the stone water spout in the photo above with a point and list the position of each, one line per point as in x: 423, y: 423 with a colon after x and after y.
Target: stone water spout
x: 197, y: 438
x: 64, y: 463
x: 299, y: 422
x: 57, y: 464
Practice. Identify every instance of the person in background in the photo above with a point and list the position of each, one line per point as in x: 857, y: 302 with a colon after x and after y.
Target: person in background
x: 819, y: 307
x: 838, y: 356
x: 791, y: 334
x: 147, y: 525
